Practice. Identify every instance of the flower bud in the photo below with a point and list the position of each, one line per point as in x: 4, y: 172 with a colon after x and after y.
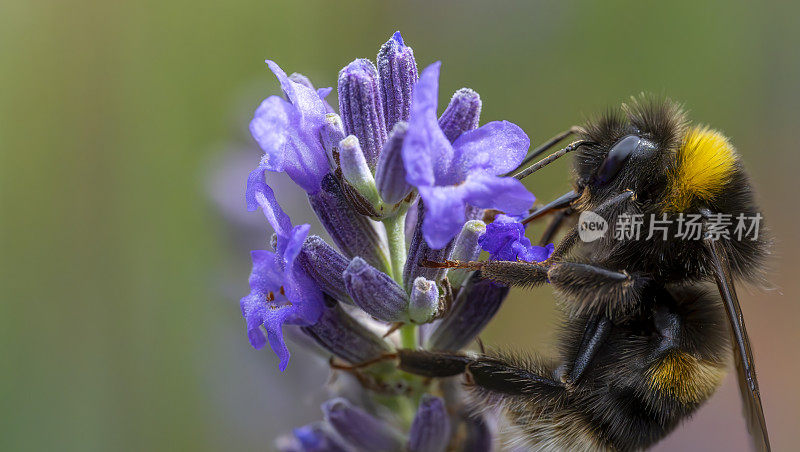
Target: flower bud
x: 361, y: 107
x: 398, y: 74
x: 356, y: 171
x: 353, y: 234
x: 430, y: 431
x: 390, y: 176
x: 323, y: 264
x: 332, y: 134
x: 479, y: 437
x: 466, y: 249
x: 359, y: 428
x: 315, y: 437
x: 424, y: 300
x: 344, y: 337
x: 375, y: 292
x: 472, y: 310
x: 462, y: 114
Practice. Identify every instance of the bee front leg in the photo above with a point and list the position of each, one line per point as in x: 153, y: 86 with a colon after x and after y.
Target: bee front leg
x: 595, y: 289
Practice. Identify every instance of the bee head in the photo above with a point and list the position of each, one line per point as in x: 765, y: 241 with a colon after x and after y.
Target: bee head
x: 630, y: 148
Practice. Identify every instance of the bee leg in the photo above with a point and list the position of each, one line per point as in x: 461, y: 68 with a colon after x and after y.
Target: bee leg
x: 555, y: 226
x: 597, y: 331
x: 487, y: 373
x: 432, y: 364
x: 515, y: 273
x: 597, y: 289
x: 501, y: 376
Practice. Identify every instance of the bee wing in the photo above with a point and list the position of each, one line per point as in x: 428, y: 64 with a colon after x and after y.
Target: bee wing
x: 746, y: 368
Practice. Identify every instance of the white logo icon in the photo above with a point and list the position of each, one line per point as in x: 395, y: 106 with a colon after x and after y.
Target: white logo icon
x: 591, y: 226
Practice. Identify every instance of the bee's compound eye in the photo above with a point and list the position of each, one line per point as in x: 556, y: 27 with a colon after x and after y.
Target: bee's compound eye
x: 616, y: 158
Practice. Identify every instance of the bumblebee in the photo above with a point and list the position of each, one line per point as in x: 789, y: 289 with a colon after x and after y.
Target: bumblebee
x: 647, y: 319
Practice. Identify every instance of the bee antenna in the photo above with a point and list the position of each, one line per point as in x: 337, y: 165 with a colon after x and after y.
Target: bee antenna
x: 551, y: 158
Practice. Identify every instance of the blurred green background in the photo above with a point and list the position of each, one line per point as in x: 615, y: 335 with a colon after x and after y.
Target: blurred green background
x: 124, y: 144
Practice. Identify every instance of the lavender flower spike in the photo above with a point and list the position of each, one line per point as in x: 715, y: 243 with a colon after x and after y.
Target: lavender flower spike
x: 375, y: 292
x: 398, y: 74
x: 461, y: 115
x: 424, y: 300
x: 361, y: 107
x: 449, y: 177
x: 430, y: 431
x: 390, y: 176
x: 360, y: 429
x: 280, y: 291
x: 289, y: 134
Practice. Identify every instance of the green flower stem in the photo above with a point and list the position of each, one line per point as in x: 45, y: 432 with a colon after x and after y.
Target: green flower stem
x: 396, y: 233
x: 408, y: 336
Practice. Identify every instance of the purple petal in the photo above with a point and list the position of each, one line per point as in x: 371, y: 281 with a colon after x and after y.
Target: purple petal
x: 264, y: 197
x: 266, y: 274
x: 253, y: 311
x: 305, y: 296
x: 289, y: 134
x: 274, y: 318
x: 505, y: 240
x: 502, y: 193
x: 444, y: 214
x: 270, y: 128
x: 323, y: 93
x: 427, y: 153
x: 294, y: 243
x: 495, y: 148
x: 537, y: 253
x: 305, y: 99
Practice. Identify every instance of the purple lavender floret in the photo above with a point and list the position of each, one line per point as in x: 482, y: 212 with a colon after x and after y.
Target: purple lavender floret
x: 505, y: 240
x: 288, y: 131
x: 449, y: 177
x: 280, y: 291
